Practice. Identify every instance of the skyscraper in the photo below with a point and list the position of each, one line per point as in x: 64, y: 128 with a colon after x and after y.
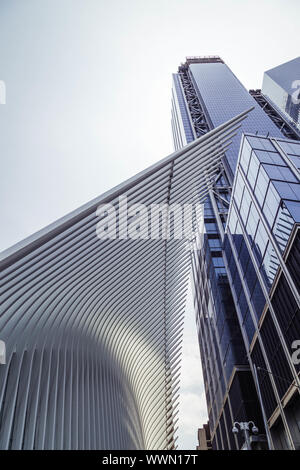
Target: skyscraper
x: 281, y: 85
x: 206, y: 92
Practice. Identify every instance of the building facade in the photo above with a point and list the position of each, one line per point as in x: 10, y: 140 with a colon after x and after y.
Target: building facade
x: 208, y: 92
x: 262, y: 256
x: 204, y: 438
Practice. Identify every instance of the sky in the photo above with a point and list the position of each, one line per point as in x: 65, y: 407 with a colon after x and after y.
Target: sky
x: 88, y: 104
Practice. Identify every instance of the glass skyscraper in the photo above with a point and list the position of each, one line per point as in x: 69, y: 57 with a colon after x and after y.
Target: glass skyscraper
x: 281, y: 85
x: 205, y: 94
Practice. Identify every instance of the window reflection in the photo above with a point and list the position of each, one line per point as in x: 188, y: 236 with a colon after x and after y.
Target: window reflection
x: 261, y: 186
x: 283, y: 226
x: 280, y: 173
x: 252, y: 223
x: 238, y: 237
x: 239, y: 189
x: 258, y: 299
x: 245, y: 156
x: 295, y: 160
x: 260, y: 143
x: 232, y: 221
x: 269, y: 266
x: 271, y: 205
x: 260, y: 242
x: 288, y: 190
x: 253, y: 170
x: 289, y: 147
x: 273, y: 158
x: 245, y: 205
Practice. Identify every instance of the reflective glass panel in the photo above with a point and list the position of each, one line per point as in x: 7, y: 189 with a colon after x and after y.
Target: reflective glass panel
x: 288, y: 190
x: 261, y: 185
x: 249, y: 325
x: 258, y: 299
x: 253, y: 170
x: 239, y: 189
x: 245, y: 205
x: 294, y: 209
x: 269, y: 266
x: 252, y: 223
x: 260, y: 242
x: 271, y: 205
x: 245, y: 156
x: 273, y: 158
x: 280, y: 173
x: 282, y: 227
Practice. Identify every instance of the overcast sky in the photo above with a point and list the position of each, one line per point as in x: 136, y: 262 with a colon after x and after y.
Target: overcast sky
x: 88, y: 91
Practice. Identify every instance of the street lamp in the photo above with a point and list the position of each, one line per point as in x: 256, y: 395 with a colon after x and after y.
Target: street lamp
x: 245, y: 427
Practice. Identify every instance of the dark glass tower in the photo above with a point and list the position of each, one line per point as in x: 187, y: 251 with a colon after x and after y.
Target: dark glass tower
x: 205, y: 94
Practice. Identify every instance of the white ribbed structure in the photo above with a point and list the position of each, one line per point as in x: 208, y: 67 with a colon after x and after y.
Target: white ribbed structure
x: 93, y: 328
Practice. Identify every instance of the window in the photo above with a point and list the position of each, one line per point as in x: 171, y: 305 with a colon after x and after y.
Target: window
x: 271, y: 205
x: 253, y: 170
x: 214, y: 243
x: 252, y: 223
x: 289, y: 147
x: 258, y: 299
x: 294, y: 209
x: 280, y: 173
x: 269, y: 265
x: 295, y: 160
x: 238, y: 237
x: 245, y: 205
x: 282, y: 227
x: 250, y: 275
x: 261, y: 186
x: 272, y: 158
x: 260, y: 143
x: 239, y: 189
x: 232, y: 220
x: 249, y: 325
x: 260, y: 242
x: 245, y: 156
x: 288, y: 190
